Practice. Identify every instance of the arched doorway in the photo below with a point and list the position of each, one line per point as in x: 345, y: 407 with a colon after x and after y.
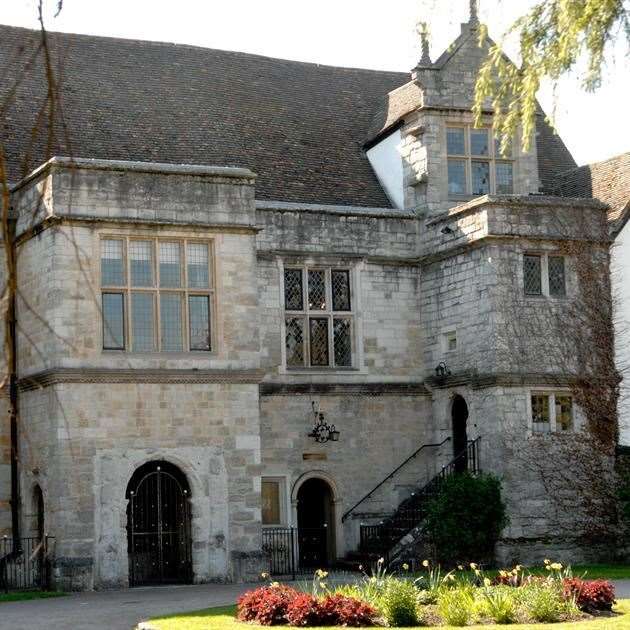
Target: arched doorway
x: 158, y: 525
x: 316, y: 523
x: 459, y: 415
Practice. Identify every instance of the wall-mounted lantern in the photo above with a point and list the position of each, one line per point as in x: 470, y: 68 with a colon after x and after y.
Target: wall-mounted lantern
x: 322, y: 431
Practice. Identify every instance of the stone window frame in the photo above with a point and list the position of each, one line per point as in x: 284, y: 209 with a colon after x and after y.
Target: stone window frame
x: 544, y: 275
x: 283, y: 501
x: 355, y: 268
x: 185, y: 292
x: 550, y: 394
x: 447, y: 336
x: 493, y: 158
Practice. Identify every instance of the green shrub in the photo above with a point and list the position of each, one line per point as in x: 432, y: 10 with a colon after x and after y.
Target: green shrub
x: 399, y: 603
x: 499, y: 604
x: 465, y: 519
x: 456, y: 606
x: 542, y: 602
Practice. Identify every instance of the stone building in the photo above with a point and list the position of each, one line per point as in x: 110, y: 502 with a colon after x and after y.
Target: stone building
x: 237, y: 248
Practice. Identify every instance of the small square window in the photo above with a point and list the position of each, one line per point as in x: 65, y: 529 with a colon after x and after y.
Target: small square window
x: 449, y: 341
x: 541, y: 420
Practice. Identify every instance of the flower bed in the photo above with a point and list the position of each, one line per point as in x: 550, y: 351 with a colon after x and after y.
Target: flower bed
x: 455, y: 598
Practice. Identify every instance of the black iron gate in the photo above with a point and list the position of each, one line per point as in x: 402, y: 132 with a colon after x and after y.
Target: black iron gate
x: 27, y: 565
x: 158, y: 526
x: 293, y: 550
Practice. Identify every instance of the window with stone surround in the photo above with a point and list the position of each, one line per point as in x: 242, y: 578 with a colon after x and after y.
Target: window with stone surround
x: 551, y: 412
x: 544, y: 275
x: 272, y: 499
x: 319, y: 321
x: 157, y: 294
x: 475, y: 164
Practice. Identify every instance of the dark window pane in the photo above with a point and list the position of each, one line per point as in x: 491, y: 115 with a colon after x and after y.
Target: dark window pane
x: 170, y: 265
x: 317, y: 290
x: 112, y: 266
x: 564, y: 413
x: 199, y: 322
x: 113, y: 321
x: 294, y: 341
x: 318, y: 329
x: 293, y: 297
x: 141, y: 263
x: 340, y: 290
x: 479, y: 142
x: 171, y: 322
x: 455, y: 141
x: 143, y: 322
x: 198, y: 265
x: 456, y: 177
x: 504, y: 178
x: 480, y: 178
x: 342, y: 342
x: 531, y: 275
x: 557, y: 283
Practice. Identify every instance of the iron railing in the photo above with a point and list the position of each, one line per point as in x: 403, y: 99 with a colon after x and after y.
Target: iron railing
x: 381, y: 538
x: 391, y: 476
x: 27, y: 565
x: 293, y: 551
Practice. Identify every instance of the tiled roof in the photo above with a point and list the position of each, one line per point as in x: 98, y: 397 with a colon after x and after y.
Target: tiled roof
x: 301, y: 127
x: 608, y: 181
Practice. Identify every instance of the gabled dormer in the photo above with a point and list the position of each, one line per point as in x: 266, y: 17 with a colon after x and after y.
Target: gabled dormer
x: 424, y: 146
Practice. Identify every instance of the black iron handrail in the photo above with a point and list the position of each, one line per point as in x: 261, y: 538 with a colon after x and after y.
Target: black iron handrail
x: 382, y: 537
x: 391, y: 475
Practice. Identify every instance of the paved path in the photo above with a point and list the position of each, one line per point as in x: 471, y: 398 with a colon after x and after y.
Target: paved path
x: 113, y: 610
x: 122, y: 610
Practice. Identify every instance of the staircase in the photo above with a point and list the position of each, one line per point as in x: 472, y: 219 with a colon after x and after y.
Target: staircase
x: 395, y: 536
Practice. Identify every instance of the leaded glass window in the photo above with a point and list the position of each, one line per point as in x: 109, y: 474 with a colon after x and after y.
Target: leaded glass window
x: 504, y: 178
x: 113, y: 321
x: 480, y: 177
x: 457, y: 177
x: 468, y: 174
x: 541, y: 420
x: 532, y: 274
x: 479, y: 142
x: 557, y: 284
x: 165, y: 307
x: 319, y: 319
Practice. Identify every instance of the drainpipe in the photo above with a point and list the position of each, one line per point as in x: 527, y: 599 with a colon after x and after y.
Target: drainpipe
x: 13, y: 403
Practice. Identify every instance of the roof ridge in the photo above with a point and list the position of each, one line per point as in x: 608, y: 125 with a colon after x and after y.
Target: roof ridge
x: 199, y: 47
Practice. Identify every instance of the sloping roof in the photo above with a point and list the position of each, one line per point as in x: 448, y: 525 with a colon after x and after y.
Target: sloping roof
x: 301, y: 127
x: 608, y: 181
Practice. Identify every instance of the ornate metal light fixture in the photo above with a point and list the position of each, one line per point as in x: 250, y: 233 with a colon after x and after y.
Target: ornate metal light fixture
x: 322, y: 431
x: 442, y: 371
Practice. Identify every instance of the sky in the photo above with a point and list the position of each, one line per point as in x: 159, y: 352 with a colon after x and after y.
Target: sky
x: 377, y: 34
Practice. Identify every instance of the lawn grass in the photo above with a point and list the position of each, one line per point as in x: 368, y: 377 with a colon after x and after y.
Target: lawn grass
x: 223, y: 619
x: 17, y: 596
